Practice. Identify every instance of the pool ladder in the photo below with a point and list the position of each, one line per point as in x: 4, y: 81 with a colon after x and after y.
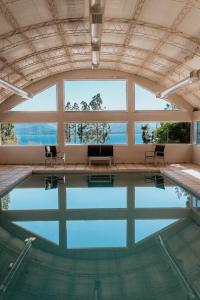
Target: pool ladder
x: 15, y: 266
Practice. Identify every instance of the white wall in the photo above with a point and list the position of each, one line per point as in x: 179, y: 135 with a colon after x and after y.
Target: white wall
x: 78, y: 154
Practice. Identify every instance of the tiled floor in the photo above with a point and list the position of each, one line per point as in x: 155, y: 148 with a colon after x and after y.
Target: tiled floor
x: 187, y: 175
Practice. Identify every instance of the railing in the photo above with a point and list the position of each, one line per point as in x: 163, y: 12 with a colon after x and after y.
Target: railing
x: 15, y: 266
x: 193, y: 294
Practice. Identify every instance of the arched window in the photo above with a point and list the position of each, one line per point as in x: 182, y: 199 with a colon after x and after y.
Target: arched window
x: 95, y: 95
x: 146, y: 100
x: 43, y: 101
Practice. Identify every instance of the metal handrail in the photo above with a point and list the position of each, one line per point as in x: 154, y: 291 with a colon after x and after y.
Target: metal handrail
x: 15, y: 266
x: 192, y: 293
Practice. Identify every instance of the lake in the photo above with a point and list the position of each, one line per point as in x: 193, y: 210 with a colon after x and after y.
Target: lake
x: 40, y: 134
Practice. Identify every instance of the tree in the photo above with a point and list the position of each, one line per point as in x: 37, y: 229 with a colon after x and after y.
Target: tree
x: 8, y: 135
x: 170, y: 106
x: 170, y: 132
x: 146, y: 137
x: 5, y: 200
x: 87, y: 133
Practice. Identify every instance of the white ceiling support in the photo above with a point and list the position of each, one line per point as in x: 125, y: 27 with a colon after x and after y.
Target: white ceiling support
x: 96, y: 21
x: 194, y: 77
x: 13, y: 88
x: 97, y: 4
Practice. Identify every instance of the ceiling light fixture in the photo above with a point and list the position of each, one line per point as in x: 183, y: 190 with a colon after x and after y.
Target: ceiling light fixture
x: 194, y: 77
x: 95, y: 56
x: 8, y: 86
x: 96, y: 27
x: 96, y: 4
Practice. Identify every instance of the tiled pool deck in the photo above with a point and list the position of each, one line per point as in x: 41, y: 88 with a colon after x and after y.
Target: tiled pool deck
x: 188, y: 175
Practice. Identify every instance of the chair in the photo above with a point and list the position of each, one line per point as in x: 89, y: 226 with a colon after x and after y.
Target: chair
x: 158, y: 180
x: 100, y: 153
x: 51, y: 182
x: 158, y: 153
x: 52, y: 155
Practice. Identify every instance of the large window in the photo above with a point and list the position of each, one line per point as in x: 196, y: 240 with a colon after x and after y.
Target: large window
x: 95, y: 95
x: 196, y: 132
x: 146, y: 100
x: 162, y: 133
x: 28, y: 133
x: 95, y: 133
x: 43, y: 101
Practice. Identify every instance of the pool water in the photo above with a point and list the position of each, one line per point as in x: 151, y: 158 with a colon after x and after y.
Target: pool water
x: 102, y: 236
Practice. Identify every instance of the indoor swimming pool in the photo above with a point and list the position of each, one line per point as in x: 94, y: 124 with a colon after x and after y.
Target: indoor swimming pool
x: 100, y: 236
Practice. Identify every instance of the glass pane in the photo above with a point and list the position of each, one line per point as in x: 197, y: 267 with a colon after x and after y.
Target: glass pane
x: 44, y: 101
x: 145, y: 228
x: 95, y: 95
x: 96, y: 133
x: 162, y: 132
x: 96, y: 233
x: 46, y: 229
x: 30, y: 198
x: 198, y: 132
x: 146, y: 100
x: 28, y: 133
x: 195, y: 131
x: 161, y: 196
x: 113, y: 197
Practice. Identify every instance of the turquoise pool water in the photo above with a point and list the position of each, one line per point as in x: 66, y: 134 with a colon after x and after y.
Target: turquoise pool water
x: 102, y: 236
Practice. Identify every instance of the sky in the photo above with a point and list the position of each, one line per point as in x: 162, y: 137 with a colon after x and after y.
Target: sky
x: 113, y: 94
x: 43, y: 101
x: 146, y: 100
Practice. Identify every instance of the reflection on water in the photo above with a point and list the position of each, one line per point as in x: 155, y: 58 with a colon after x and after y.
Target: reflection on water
x: 30, y: 198
x: 95, y: 234
x: 47, y: 229
x: 99, y: 238
x: 96, y: 197
x: 97, y: 211
x: 144, y: 228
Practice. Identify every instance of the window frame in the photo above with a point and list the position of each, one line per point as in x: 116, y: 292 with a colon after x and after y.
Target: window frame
x: 134, y: 128
x: 33, y: 95
x: 75, y: 122
x: 29, y: 145
x: 96, y: 111
x: 150, y: 110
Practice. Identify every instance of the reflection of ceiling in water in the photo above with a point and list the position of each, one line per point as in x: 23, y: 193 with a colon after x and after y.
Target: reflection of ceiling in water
x: 111, y: 277
x: 101, y: 237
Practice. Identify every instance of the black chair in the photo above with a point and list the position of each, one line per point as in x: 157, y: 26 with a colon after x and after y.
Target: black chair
x: 158, y: 153
x: 158, y: 180
x: 52, y: 155
x: 102, y: 180
x: 107, y: 150
x: 94, y: 150
x: 51, y: 182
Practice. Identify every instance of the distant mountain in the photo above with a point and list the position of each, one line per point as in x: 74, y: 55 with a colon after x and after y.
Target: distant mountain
x: 23, y: 129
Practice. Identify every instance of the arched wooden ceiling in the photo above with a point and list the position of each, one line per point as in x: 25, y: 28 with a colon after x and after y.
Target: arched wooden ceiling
x: 156, y: 39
